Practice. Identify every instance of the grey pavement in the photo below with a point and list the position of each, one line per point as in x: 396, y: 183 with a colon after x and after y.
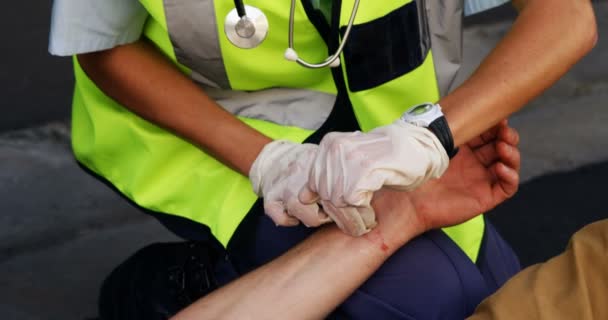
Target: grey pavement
x: 62, y: 231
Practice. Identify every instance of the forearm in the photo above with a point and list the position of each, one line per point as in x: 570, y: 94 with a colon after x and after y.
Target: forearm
x: 313, y: 278
x: 141, y: 79
x: 310, y: 280
x: 547, y: 38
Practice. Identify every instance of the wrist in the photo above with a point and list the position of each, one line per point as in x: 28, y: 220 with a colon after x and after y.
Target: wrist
x: 398, y: 220
x: 256, y: 146
x: 265, y: 161
x: 431, y: 117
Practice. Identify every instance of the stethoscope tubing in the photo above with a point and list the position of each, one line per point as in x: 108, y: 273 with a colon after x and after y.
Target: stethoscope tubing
x: 330, y: 60
x: 240, y: 8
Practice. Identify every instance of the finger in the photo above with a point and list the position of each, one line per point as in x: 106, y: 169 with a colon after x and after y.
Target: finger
x: 368, y: 215
x: 308, y: 214
x: 362, y: 193
x: 490, y: 134
x: 276, y: 211
x: 484, y: 138
x: 362, y: 198
x: 475, y: 142
x: 347, y: 219
x: 307, y: 196
x: 487, y: 136
x: 507, y: 183
x: 486, y: 154
x: 509, y: 155
x: 509, y: 135
x: 504, y: 149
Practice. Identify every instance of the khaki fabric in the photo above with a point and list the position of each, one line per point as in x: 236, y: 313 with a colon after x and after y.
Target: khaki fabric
x: 573, y: 285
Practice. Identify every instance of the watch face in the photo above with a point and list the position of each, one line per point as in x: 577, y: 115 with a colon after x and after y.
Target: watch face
x: 421, y: 109
x: 422, y: 115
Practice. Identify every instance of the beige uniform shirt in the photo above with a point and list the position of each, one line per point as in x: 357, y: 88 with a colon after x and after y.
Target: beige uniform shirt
x: 573, y: 285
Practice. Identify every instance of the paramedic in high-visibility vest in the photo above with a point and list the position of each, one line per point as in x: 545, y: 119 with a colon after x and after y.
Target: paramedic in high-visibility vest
x: 248, y: 125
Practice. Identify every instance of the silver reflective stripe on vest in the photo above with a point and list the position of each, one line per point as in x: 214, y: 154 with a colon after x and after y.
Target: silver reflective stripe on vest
x: 291, y: 107
x: 445, y: 24
x: 193, y: 32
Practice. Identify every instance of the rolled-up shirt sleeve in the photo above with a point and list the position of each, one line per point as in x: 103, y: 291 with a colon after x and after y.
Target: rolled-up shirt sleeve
x: 475, y: 6
x: 81, y: 26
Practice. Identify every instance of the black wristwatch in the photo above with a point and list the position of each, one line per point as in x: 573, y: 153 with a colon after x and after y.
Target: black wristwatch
x: 429, y: 115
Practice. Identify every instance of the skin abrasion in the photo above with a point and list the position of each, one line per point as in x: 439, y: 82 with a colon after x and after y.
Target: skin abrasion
x: 375, y: 236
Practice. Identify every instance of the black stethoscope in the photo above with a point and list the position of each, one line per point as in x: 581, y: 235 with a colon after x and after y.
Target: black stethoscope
x: 246, y: 27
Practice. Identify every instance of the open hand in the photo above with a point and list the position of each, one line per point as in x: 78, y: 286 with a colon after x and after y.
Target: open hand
x: 483, y: 174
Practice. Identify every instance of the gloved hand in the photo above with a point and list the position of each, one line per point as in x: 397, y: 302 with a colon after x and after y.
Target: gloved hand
x: 278, y: 174
x: 355, y: 221
x: 349, y: 167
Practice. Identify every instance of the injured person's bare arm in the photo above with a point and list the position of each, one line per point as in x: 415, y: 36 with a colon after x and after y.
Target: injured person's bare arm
x: 311, y: 279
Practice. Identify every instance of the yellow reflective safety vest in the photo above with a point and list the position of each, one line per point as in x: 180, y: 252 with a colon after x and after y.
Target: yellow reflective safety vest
x: 387, y: 66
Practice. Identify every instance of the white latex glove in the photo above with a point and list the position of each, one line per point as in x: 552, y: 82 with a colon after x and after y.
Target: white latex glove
x: 355, y: 221
x: 349, y: 167
x: 278, y: 174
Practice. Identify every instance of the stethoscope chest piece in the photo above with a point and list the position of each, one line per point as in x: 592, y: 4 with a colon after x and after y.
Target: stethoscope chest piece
x: 246, y: 32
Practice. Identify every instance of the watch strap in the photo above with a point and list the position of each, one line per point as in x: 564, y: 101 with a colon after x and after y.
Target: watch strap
x: 441, y: 129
